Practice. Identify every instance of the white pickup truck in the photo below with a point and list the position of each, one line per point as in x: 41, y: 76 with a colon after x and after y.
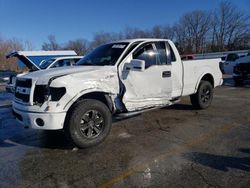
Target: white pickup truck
x: 115, y: 80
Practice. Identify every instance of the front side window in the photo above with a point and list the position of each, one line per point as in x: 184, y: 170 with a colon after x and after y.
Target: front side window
x: 232, y: 57
x: 107, y: 54
x: 146, y: 53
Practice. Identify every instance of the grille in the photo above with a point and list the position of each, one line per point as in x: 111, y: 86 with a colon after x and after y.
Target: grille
x: 23, y: 97
x: 23, y: 84
x: 244, y: 68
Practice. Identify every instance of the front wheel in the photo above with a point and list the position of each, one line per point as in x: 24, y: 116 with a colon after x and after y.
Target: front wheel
x: 88, y: 123
x: 204, y: 95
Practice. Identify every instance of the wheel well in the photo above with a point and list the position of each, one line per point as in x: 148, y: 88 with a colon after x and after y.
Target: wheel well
x: 100, y: 96
x: 209, y: 78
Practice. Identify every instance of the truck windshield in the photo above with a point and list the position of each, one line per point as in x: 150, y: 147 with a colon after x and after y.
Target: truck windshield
x: 106, y: 54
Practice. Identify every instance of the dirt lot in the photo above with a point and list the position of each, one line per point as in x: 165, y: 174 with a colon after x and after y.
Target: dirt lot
x: 171, y: 147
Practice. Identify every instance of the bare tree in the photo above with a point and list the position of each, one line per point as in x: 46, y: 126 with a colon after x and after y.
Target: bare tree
x: 181, y: 39
x: 157, y: 31
x: 135, y: 33
x: 192, y: 30
x: 168, y: 32
x: 80, y: 46
x: 160, y: 31
x: 52, y: 44
x: 28, y: 45
x: 102, y: 38
x: 229, y: 26
x: 6, y: 46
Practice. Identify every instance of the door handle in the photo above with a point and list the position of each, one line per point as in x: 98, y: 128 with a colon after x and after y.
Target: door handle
x: 166, y: 74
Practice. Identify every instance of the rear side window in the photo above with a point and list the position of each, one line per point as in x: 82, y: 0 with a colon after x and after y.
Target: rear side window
x: 173, y: 58
x: 161, y: 53
x: 146, y: 53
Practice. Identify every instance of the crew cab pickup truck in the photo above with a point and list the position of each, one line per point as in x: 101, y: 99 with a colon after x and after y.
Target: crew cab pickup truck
x: 54, y: 59
x: 115, y: 80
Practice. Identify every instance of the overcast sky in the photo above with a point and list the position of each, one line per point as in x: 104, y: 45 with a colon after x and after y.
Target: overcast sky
x: 34, y: 20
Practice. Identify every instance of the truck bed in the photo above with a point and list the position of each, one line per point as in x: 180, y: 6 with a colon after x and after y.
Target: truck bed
x: 194, y: 70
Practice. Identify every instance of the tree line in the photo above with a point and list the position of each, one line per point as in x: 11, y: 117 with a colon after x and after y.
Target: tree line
x: 223, y: 29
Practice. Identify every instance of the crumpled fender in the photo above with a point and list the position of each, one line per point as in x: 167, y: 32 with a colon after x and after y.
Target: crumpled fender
x: 79, y: 85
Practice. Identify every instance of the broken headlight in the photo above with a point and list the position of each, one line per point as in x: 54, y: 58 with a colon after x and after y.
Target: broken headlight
x: 43, y: 92
x: 57, y: 93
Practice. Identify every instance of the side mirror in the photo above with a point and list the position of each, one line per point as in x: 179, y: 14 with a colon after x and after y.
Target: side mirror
x: 136, y: 65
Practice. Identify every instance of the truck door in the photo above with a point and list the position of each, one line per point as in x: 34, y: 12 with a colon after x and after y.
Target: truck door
x: 148, y: 84
x: 230, y: 63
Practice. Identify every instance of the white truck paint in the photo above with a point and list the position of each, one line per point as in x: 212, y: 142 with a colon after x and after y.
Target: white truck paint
x: 127, y: 76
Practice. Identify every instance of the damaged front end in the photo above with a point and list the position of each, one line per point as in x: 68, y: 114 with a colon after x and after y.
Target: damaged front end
x: 46, y: 96
x: 37, y: 106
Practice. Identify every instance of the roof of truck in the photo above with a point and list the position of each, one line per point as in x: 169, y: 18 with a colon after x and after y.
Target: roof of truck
x: 140, y: 39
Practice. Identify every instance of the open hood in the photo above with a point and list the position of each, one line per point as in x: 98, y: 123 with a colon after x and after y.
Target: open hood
x: 23, y: 56
x: 24, y: 59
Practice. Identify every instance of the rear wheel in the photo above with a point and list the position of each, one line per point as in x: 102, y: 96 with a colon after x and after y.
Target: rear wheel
x: 204, y: 95
x: 88, y: 123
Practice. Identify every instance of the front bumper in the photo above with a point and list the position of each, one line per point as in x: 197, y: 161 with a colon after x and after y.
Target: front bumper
x: 45, y: 121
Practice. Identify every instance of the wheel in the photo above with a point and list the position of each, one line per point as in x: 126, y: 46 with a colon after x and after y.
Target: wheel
x: 204, y: 95
x: 88, y: 123
x: 238, y: 81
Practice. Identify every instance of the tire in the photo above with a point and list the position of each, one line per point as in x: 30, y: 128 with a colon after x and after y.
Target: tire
x: 204, y: 95
x: 88, y: 123
x: 238, y: 81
